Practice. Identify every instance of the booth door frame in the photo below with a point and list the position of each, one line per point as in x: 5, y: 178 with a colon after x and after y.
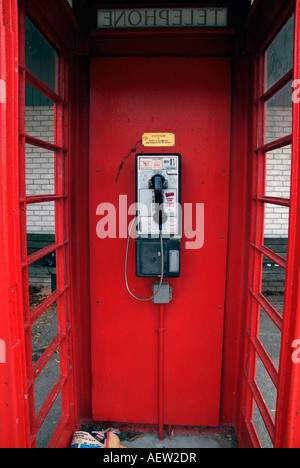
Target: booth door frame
x: 284, y: 429
x: 62, y: 390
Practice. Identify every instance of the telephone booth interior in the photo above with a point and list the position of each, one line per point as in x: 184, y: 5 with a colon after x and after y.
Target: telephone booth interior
x: 206, y: 90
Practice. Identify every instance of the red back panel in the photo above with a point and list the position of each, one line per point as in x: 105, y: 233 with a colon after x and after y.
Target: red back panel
x: 191, y: 97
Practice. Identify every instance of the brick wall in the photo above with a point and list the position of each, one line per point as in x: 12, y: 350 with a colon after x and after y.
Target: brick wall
x: 278, y: 171
x: 40, y: 180
x: 40, y: 169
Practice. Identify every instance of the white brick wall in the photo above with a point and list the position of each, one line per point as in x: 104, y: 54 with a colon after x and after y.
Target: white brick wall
x: 279, y: 123
x: 278, y: 176
x: 40, y: 169
x: 40, y: 122
x: 40, y: 218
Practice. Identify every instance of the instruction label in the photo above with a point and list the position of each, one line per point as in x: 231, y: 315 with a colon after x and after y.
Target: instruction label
x: 158, y: 139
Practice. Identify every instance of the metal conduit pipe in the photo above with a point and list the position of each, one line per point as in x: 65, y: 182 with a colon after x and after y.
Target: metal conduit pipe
x: 161, y: 331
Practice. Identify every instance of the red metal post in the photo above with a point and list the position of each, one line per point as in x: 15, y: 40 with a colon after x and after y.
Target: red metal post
x: 13, y: 394
x: 161, y: 332
x: 288, y: 404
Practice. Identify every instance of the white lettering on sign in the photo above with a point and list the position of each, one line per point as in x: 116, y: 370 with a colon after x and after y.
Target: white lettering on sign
x: 163, y: 18
x: 2, y: 352
x: 2, y: 92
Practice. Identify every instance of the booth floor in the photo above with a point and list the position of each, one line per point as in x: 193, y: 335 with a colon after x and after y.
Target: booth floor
x: 182, y: 441
x: 179, y: 437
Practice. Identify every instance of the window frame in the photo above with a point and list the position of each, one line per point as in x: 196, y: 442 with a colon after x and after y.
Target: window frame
x: 63, y: 386
x: 252, y: 395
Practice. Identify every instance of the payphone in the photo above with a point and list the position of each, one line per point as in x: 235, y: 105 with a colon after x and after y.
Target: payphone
x: 158, y: 217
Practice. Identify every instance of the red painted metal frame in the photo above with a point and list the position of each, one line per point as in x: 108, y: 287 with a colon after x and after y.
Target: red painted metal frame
x: 288, y: 404
x: 13, y: 390
x: 254, y: 348
x: 79, y: 241
x: 57, y: 22
x: 14, y: 408
x: 63, y: 341
x: 238, y: 242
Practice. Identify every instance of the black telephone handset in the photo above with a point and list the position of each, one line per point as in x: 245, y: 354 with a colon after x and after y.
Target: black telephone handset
x: 158, y: 183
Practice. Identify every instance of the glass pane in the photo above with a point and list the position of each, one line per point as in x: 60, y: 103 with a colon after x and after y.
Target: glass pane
x: 49, y: 425
x: 43, y: 332
x: 278, y: 177
x: 41, y: 220
x: 270, y: 337
x: 39, y: 115
x: 41, y: 280
x: 266, y: 386
x: 273, y: 284
x: 41, y: 57
x: 260, y: 428
x: 46, y: 380
x: 279, y: 115
x: 279, y: 55
x: 39, y: 171
x: 277, y: 228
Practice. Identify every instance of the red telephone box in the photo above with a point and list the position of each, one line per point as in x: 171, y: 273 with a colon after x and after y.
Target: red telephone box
x: 84, y: 88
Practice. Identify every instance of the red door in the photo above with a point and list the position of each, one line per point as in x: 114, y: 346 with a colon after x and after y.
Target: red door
x: 190, y: 97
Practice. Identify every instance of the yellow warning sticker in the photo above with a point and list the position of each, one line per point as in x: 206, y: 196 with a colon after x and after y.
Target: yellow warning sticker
x: 158, y: 139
